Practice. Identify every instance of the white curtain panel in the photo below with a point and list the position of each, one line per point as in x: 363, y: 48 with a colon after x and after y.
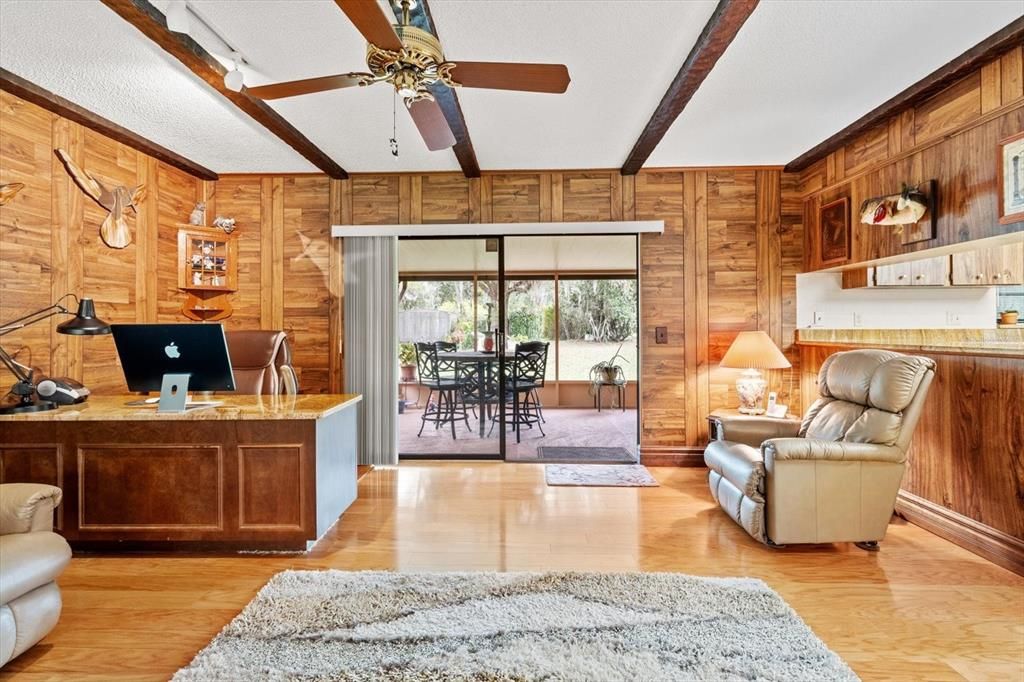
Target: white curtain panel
x: 371, y: 343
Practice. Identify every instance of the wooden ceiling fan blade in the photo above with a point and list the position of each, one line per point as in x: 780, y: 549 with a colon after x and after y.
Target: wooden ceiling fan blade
x: 305, y: 86
x: 370, y: 20
x: 511, y: 76
x: 433, y: 126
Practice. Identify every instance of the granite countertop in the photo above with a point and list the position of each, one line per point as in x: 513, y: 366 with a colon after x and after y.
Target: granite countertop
x: 1001, y: 342
x: 232, y: 408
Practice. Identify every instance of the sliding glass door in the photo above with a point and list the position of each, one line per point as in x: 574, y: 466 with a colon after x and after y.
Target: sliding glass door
x: 521, y: 348
x: 577, y: 299
x: 450, y: 322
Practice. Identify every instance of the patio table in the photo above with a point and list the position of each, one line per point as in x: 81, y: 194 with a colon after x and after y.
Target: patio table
x: 482, y: 359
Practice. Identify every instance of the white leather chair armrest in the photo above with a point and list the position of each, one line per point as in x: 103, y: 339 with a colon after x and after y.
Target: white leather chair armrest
x: 778, y: 449
x: 27, y: 507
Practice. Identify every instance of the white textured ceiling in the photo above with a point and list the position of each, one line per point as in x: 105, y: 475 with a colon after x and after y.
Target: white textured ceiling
x: 801, y: 70
x: 84, y: 52
x: 798, y: 71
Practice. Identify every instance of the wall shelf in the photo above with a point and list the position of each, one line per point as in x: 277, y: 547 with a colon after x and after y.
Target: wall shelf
x: 207, y: 271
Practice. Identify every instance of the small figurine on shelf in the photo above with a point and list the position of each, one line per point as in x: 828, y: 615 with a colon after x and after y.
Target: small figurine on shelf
x: 197, y: 260
x: 216, y: 281
x: 226, y: 224
x: 197, y: 278
x: 198, y: 216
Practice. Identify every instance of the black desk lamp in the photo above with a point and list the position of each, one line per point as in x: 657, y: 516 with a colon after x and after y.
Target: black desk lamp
x: 84, y: 323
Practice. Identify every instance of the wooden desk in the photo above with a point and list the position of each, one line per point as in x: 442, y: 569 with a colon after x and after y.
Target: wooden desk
x: 258, y: 472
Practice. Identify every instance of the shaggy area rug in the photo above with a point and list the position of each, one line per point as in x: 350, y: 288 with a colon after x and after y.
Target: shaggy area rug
x: 610, y: 475
x: 335, y: 625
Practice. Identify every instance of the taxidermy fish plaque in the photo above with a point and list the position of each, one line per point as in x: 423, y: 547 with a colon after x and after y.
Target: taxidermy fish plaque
x: 116, y: 200
x: 913, y: 212
x: 905, y: 208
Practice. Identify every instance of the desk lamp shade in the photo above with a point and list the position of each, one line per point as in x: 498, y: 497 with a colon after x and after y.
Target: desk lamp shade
x: 85, y: 322
x: 753, y: 351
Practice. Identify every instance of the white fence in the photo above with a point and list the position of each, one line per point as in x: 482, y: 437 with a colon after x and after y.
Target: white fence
x: 424, y: 325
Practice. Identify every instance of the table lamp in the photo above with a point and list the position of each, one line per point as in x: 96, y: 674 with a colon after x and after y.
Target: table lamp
x: 753, y: 351
x: 84, y: 323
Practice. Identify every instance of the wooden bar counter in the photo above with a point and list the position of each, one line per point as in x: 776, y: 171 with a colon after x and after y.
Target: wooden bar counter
x: 256, y: 472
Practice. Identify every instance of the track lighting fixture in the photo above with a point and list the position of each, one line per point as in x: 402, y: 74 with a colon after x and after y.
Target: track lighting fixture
x: 178, y: 17
x: 234, y: 79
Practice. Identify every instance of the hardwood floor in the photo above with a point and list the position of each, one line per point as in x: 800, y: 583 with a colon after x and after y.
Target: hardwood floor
x: 920, y: 608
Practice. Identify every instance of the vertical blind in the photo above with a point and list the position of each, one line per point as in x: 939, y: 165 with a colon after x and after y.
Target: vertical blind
x: 371, y: 346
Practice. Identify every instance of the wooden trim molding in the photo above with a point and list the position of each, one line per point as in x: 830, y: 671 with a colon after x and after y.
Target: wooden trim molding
x: 996, y: 546
x: 30, y: 92
x: 152, y: 23
x: 671, y: 456
x: 1006, y: 38
x: 447, y: 98
x: 726, y: 21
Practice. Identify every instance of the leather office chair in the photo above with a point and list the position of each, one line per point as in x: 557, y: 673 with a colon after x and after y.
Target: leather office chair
x: 31, y: 558
x: 834, y: 477
x: 261, y: 360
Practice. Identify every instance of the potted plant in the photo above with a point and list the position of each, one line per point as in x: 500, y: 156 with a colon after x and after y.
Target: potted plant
x: 607, y: 371
x: 407, y: 362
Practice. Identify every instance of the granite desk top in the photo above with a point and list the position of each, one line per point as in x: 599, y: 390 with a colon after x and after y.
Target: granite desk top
x: 231, y: 408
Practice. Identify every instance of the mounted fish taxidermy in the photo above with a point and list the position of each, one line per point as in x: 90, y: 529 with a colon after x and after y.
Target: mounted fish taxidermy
x: 8, y: 190
x: 116, y: 200
x: 907, y: 208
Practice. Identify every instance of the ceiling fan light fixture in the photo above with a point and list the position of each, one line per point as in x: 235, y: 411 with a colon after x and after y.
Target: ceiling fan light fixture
x: 178, y: 17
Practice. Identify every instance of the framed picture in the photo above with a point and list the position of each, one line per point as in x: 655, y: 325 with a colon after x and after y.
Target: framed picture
x: 1010, y: 157
x: 834, y: 232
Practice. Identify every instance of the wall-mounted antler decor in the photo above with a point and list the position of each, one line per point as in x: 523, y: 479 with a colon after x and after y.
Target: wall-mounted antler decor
x: 906, y: 208
x: 116, y: 200
x: 8, y: 190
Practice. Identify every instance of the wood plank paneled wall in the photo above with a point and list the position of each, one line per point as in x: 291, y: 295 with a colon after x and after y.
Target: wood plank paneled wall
x: 50, y: 243
x: 727, y: 261
x: 967, y: 456
x: 951, y: 138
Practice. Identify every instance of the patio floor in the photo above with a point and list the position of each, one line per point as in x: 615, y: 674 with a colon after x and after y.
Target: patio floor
x: 564, y: 427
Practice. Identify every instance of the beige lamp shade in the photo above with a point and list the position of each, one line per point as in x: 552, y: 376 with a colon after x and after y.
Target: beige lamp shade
x: 754, y: 350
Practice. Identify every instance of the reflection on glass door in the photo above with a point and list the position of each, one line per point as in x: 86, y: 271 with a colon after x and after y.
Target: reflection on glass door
x: 450, y: 309
x: 572, y: 358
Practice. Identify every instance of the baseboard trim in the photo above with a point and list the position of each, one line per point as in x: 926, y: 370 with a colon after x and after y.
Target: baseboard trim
x: 672, y: 456
x: 998, y: 547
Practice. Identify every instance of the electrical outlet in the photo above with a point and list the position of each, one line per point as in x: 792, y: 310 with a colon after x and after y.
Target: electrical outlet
x: 857, y: 320
x: 953, y: 319
x: 819, y: 318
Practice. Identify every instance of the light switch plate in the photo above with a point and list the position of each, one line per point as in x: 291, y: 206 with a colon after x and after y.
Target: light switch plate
x: 661, y: 335
x: 819, y: 318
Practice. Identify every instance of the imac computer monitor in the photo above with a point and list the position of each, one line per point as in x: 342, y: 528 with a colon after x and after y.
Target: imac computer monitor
x: 149, y: 351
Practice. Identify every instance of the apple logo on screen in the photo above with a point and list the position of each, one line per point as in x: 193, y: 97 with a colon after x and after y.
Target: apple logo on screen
x: 172, y: 351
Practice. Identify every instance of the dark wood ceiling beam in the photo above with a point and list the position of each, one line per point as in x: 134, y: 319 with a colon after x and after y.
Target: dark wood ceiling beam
x: 151, y: 22
x: 726, y: 21
x: 447, y: 99
x: 30, y: 92
x: 1006, y: 38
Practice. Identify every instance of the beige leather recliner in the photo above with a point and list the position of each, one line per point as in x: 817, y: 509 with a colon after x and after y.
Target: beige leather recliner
x: 834, y: 477
x: 31, y: 558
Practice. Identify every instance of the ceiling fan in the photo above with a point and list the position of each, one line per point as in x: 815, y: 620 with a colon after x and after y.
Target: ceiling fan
x: 411, y: 60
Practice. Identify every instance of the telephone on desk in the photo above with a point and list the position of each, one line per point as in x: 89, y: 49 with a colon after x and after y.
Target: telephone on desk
x: 62, y: 390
